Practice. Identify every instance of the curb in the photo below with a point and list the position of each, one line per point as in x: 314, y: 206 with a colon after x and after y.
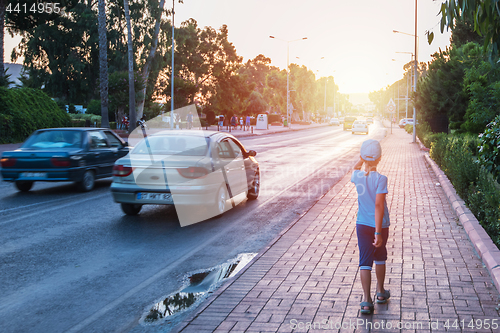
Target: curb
x: 486, y: 249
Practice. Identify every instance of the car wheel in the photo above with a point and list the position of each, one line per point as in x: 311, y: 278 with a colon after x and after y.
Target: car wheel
x: 24, y: 186
x: 253, y: 192
x: 88, y: 181
x: 220, y: 201
x: 131, y: 209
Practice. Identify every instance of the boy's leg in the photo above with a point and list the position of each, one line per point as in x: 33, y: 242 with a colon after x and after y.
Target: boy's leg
x: 380, y: 273
x: 366, y: 251
x: 380, y: 259
x: 366, y: 280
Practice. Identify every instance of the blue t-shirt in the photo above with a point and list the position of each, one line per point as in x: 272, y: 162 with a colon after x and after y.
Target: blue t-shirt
x: 368, y: 187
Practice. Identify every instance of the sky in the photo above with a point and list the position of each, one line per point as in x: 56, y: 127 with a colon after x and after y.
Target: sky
x: 355, y: 38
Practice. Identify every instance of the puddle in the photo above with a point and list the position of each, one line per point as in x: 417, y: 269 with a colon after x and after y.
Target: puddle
x: 198, y: 287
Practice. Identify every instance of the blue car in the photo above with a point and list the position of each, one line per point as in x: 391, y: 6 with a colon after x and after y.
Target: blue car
x: 81, y: 155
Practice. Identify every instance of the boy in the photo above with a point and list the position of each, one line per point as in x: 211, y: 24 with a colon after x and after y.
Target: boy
x: 372, y: 223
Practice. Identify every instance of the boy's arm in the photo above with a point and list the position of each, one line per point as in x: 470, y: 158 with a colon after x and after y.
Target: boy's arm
x: 359, y: 164
x: 379, y: 216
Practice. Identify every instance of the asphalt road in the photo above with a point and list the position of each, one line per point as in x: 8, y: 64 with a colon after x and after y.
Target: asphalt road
x: 72, y: 261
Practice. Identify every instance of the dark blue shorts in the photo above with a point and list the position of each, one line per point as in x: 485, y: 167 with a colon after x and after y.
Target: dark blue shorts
x: 367, y: 252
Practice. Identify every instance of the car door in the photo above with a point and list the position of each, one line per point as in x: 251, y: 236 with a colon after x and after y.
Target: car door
x: 101, y: 156
x: 118, y: 147
x: 237, y: 167
x: 249, y: 165
x: 225, y: 161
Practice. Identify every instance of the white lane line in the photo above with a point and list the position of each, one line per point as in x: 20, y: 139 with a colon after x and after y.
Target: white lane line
x: 34, y: 204
x: 53, y: 208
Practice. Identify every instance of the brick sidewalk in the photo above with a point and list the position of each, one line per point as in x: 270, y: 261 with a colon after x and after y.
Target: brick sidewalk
x: 309, y: 274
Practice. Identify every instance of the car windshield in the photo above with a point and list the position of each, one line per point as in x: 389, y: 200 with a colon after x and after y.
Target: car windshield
x: 173, y: 145
x: 54, y: 139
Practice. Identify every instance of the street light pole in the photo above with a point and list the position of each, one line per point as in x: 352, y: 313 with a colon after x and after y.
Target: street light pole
x: 415, y: 66
x: 416, y: 79
x: 287, y: 75
x: 172, y: 79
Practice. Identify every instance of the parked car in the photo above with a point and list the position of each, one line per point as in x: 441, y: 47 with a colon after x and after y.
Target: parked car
x: 334, y: 121
x: 405, y: 121
x: 193, y: 169
x: 369, y: 121
x: 348, y: 121
x: 74, y: 154
x: 341, y: 119
x: 359, y: 126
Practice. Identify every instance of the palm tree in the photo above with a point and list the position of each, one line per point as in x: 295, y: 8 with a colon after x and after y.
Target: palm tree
x: 149, y: 60
x: 2, y: 25
x: 103, y: 63
x: 131, y: 85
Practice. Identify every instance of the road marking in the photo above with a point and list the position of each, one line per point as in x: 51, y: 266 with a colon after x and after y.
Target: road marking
x: 53, y: 208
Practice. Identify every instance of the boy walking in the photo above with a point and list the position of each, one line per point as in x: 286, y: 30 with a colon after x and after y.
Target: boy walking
x: 372, y: 223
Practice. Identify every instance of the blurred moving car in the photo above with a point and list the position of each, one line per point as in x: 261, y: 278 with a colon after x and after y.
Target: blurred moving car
x: 194, y: 169
x: 341, y: 119
x: 74, y: 154
x: 334, y: 121
x: 348, y: 121
x: 369, y: 120
x: 405, y: 121
x: 360, y: 126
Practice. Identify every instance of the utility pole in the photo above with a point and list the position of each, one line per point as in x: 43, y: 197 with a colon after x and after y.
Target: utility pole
x: 172, y: 79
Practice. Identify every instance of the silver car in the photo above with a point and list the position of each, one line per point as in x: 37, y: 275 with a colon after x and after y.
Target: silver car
x: 359, y: 126
x: 198, y: 171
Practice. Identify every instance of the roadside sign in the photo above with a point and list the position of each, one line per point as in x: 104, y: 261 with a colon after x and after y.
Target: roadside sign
x: 391, y: 106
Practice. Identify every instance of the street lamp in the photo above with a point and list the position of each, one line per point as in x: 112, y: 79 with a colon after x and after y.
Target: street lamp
x: 326, y: 81
x: 412, y: 85
x: 416, y: 74
x: 287, y: 75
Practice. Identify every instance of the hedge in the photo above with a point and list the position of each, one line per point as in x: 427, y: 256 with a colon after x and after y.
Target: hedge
x: 24, y: 110
x: 456, y: 156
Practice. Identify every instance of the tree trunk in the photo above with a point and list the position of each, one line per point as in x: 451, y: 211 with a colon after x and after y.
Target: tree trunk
x: 103, y: 63
x: 131, y: 85
x: 149, y: 60
x: 2, y: 25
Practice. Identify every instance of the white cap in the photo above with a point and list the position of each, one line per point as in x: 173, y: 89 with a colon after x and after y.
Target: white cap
x: 371, y: 150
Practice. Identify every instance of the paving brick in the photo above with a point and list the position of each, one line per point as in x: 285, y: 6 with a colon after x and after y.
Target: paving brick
x: 311, y: 273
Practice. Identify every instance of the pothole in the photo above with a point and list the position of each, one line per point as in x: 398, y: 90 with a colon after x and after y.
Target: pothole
x: 198, y: 286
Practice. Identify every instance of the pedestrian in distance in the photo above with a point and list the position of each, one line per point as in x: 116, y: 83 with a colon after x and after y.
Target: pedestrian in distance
x: 233, y: 122
x: 241, y: 122
x: 372, y: 223
x: 189, y: 120
x: 248, y: 122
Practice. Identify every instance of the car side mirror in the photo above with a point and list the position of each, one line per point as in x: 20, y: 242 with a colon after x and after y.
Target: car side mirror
x: 125, y: 144
x: 252, y: 153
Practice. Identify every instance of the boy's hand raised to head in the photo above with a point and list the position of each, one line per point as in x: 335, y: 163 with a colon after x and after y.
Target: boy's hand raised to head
x: 359, y: 164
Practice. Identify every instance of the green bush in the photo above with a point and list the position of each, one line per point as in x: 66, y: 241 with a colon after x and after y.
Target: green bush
x: 112, y: 125
x: 484, y: 203
x: 460, y: 165
x: 409, y: 129
x: 438, y: 148
x: 77, y: 122
x: 94, y: 107
x: 489, y: 151
x: 24, y: 110
x: 274, y: 118
x: 473, y: 183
